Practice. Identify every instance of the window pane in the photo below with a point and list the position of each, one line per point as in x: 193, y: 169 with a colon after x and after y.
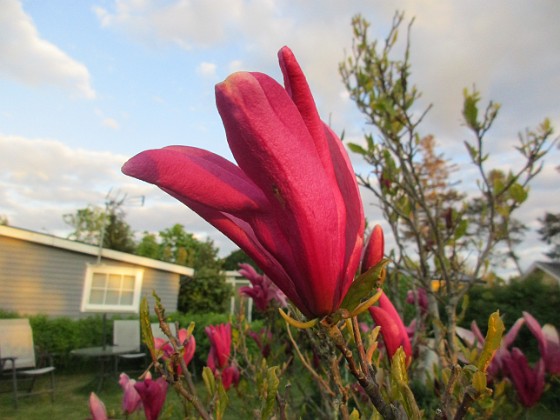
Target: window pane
x: 127, y: 298
x: 114, y: 281
x: 96, y: 297
x: 112, y: 297
x: 128, y: 282
x: 98, y: 280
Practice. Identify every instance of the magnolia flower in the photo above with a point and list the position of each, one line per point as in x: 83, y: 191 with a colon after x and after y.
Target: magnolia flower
x: 230, y: 376
x: 220, y: 350
x: 153, y: 395
x: 97, y: 408
x: 185, y: 339
x: 549, y: 343
x: 474, y: 337
x: 393, y: 331
x: 420, y: 298
x: 552, y: 359
x: 220, y: 345
x: 292, y: 203
x: 131, y: 399
x: 529, y: 383
x: 375, y: 247
x: 263, y: 292
x: 262, y: 339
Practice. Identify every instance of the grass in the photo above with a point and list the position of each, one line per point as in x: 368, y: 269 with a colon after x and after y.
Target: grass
x: 73, y: 390
x: 71, y: 396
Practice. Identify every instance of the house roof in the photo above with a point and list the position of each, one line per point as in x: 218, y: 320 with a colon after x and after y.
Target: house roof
x: 551, y: 268
x: 82, y: 248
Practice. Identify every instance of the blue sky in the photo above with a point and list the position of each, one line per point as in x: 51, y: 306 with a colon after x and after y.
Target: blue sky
x: 86, y: 84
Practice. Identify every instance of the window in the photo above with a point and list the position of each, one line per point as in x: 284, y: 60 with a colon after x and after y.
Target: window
x: 112, y: 289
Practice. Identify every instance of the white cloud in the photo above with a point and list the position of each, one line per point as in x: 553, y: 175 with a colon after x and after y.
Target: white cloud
x: 110, y: 122
x: 206, y: 69
x: 186, y: 23
x: 42, y: 179
x: 31, y: 60
x: 454, y: 45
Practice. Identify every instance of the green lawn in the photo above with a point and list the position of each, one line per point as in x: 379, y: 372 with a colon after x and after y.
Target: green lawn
x: 71, y: 400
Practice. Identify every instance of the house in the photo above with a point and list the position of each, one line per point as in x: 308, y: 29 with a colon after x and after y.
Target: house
x: 550, y: 271
x: 237, y: 302
x: 45, y: 274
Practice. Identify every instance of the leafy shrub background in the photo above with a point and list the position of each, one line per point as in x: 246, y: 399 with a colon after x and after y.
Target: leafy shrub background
x: 531, y: 295
x: 59, y: 336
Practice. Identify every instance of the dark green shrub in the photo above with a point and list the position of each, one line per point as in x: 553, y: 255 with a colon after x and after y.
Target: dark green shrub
x: 531, y: 295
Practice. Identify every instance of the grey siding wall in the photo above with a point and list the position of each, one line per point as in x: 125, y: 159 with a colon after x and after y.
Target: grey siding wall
x: 39, y: 279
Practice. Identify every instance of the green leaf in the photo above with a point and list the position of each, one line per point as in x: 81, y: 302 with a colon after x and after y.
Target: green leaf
x: 222, y: 402
x: 461, y: 229
x: 272, y: 388
x: 399, y: 385
x: 470, y: 109
x: 354, y: 415
x: 209, y: 380
x: 364, y: 286
x: 146, y: 327
x: 356, y: 148
x: 492, y: 343
x: 518, y: 193
x: 472, y: 151
x: 479, y: 381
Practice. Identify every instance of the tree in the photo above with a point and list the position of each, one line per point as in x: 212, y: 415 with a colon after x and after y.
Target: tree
x: 441, y: 235
x: 207, y: 290
x: 91, y: 224
x: 550, y: 233
x: 232, y: 261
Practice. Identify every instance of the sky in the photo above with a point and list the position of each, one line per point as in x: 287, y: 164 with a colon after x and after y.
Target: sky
x: 85, y: 85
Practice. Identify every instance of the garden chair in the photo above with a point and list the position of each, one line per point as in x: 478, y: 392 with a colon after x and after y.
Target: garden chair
x: 18, y: 357
x: 126, y: 334
x: 158, y: 333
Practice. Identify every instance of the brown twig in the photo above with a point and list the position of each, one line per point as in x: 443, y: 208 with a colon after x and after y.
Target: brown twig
x: 306, y: 364
x: 171, y: 377
x: 371, y: 388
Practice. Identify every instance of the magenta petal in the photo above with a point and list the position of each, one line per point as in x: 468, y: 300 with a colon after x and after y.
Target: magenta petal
x: 390, y: 331
x: 220, y: 345
x: 97, y: 408
x: 373, y: 252
x: 153, y: 394
x: 200, y: 175
x: 387, y: 306
x: 529, y: 383
x: 552, y: 359
x: 536, y: 330
x: 511, y: 335
x: 131, y: 399
x: 273, y: 146
x: 292, y: 203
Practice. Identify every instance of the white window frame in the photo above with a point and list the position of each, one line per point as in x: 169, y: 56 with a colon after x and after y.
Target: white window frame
x: 91, y: 269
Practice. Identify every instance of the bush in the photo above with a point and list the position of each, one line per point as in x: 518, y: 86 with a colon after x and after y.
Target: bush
x: 531, y: 295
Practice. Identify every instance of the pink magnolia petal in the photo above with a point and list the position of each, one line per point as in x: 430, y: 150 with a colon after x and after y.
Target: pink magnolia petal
x: 477, y: 333
x: 387, y: 306
x: 153, y: 394
x: 390, y: 331
x: 511, y: 335
x: 131, y: 399
x: 220, y: 345
x: 529, y: 382
x: 97, y: 408
x: 292, y: 204
x: 553, y: 346
x: 373, y: 252
x: 536, y: 330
